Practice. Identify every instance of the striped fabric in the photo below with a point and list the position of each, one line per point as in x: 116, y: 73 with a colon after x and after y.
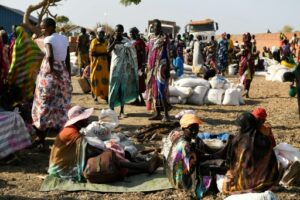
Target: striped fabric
x: 13, y: 133
x: 26, y: 61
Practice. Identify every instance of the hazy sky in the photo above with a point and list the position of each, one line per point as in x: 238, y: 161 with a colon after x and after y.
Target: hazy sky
x: 233, y: 16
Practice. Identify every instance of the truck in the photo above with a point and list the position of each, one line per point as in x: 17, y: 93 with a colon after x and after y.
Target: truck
x: 206, y: 28
x: 168, y: 27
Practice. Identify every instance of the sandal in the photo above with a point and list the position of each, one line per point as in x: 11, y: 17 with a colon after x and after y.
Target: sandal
x: 122, y: 115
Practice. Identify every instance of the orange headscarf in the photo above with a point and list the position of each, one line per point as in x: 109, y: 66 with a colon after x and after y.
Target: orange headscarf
x: 260, y: 113
x: 189, y: 119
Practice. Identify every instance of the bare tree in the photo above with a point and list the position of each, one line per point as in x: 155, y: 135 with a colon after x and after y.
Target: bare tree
x: 43, y: 6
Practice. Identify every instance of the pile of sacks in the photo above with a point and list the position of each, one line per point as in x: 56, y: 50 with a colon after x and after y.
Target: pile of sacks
x: 274, y: 70
x: 197, y: 91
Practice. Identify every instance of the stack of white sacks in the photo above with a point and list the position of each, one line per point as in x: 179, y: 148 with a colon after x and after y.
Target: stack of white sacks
x: 197, y: 91
x: 273, y: 70
x: 276, y: 72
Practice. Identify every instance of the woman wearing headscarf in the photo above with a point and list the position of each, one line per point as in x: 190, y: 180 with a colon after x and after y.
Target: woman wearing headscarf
x: 253, y: 164
x: 67, y: 158
x: 181, y: 156
x: 265, y: 128
x: 72, y: 157
x: 26, y: 60
x: 99, y: 66
x: 52, y: 98
x: 123, y: 79
x: 140, y: 47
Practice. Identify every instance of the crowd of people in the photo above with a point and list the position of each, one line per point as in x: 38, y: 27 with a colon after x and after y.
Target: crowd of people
x: 288, y: 50
x: 120, y: 70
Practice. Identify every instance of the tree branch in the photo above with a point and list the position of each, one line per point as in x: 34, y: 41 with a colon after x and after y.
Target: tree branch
x: 44, y: 4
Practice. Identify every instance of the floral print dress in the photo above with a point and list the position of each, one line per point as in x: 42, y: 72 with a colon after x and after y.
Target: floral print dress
x: 52, y: 98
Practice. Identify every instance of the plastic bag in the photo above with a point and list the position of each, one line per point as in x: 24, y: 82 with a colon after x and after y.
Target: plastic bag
x: 181, y: 113
x: 108, y: 118
x: 217, y: 82
x: 286, y: 154
x: 95, y: 129
x: 95, y: 142
x: 178, y: 65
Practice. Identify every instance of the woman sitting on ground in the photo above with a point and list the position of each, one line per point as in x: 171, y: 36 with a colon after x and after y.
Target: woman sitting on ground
x: 70, y: 154
x: 253, y: 164
x: 181, y: 159
x: 265, y: 128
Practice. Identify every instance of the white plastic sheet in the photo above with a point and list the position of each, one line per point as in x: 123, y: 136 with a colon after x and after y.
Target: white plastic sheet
x: 267, y: 195
x: 286, y: 154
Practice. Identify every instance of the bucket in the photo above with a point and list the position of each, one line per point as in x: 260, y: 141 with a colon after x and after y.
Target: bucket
x: 292, y: 91
x: 231, y: 69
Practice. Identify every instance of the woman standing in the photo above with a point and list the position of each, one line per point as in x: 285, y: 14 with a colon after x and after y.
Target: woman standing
x: 53, y: 87
x: 99, y: 66
x: 246, y: 64
x: 141, y: 58
x: 223, y: 54
x: 123, y: 83
x: 159, y: 73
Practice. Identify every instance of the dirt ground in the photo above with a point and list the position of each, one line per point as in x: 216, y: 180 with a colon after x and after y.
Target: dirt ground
x: 22, y: 181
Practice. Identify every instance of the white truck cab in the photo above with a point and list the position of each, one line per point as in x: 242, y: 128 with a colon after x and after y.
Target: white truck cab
x: 206, y: 28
